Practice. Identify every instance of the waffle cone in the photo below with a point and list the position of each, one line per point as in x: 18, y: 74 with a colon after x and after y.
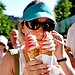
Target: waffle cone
x: 33, y: 53
x: 47, y: 52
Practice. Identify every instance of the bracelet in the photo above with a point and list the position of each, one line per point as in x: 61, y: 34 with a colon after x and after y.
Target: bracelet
x: 61, y: 60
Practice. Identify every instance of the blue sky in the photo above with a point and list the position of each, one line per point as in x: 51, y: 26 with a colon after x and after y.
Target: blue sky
x: 15, y: 7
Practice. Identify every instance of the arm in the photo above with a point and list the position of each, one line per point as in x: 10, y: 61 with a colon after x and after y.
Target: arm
x: 8, y: 65
x: 60, y: 53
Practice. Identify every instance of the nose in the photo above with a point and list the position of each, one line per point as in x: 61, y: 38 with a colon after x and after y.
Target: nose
x: 38, y: 32
x: 15, y: 36
x: 40, y: 29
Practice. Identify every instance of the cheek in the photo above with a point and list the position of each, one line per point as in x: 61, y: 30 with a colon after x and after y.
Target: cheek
x: 26, y: 30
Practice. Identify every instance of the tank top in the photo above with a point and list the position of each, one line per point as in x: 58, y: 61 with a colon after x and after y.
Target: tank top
x: 22, y: 62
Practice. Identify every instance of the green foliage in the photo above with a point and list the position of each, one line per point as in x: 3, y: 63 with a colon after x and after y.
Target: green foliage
x: 62, y: 10
x: 6, y: 24
x: 2, y: 7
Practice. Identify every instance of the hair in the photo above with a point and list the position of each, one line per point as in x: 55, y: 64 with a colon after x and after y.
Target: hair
x: 14, y: 30
x: 32, y: 3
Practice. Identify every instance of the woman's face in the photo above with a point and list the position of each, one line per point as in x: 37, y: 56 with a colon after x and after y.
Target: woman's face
x: 38, y: 33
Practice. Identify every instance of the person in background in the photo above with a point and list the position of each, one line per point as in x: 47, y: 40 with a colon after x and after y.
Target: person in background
x: 14, y: 42
x: 14, y: 47
x: 37, y: 19
x: 70, y: 44
x: 6, y: 59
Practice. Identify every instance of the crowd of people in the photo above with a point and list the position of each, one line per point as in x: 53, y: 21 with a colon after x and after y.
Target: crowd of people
x: 35, y: 48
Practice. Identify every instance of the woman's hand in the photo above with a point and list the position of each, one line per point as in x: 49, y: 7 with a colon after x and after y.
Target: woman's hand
x: 59, y: 44
x: 35, y: 67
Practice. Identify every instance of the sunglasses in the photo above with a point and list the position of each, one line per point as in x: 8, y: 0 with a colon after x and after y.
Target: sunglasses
x: 35, y: 25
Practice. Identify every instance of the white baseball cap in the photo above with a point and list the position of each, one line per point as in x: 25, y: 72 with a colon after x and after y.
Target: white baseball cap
x: 3, y: 40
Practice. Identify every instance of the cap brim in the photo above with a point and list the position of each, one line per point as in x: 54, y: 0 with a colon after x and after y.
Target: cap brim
x: 37, y: 11
x: 39, y: 15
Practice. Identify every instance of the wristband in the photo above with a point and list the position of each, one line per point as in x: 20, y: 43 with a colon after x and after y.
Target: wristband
x: 61, y: 60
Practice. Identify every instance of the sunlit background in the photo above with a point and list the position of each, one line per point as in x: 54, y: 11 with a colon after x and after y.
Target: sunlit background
x: 15, y: 7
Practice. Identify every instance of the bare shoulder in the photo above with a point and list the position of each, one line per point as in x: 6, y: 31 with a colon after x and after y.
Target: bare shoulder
x: 8, y: 64
x: 8, y: 59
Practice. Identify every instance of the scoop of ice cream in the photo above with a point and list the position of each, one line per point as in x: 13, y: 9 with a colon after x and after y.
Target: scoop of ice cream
x: 47, y: 42
x: 31, y: 45
x: 30, y: 42
x: 48, y: 35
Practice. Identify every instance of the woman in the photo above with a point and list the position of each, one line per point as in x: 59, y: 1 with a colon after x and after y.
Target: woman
x: 38, y: 18
x: 6, y: 59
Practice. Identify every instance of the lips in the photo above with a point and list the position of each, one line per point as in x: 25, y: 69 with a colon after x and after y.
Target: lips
x: 39, y: 36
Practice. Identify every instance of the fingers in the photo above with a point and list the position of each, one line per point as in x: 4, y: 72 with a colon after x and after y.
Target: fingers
x: 42, y: 72
x: 47, y: 44
x: 34, y: 62
x: 59, y: 41
x: 56, y: 35
x: 36, y: 67
x: 39, y: 67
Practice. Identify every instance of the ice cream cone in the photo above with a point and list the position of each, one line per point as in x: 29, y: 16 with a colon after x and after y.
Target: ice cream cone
x: 47, y: 52
x: 33, y: 50
x: 33, y: 53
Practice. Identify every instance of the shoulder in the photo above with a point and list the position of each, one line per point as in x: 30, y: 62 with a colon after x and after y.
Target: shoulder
x: 8, y: 66
x: 8, y: 58
x: 72, y: 27
x: 8, y: 55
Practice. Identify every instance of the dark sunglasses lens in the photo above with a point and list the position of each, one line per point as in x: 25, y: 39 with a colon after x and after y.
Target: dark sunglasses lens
x: 33, y: 25
x: 48, y: 26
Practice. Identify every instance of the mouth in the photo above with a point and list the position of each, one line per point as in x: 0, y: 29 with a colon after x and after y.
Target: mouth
x: 39, y: 39
x: 39, y: 36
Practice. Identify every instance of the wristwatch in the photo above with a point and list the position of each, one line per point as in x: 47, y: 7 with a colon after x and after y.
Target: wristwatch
x: 61, y: 60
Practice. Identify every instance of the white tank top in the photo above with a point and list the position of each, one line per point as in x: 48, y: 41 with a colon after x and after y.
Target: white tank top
x: 22, y: 61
